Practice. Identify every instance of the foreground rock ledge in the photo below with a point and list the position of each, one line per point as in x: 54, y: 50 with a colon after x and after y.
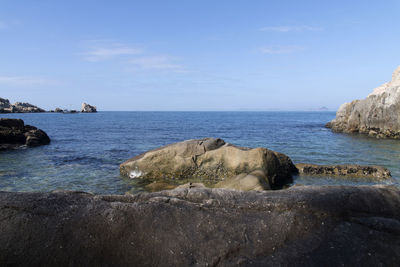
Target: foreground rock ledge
x: 345, y: 171
x: 301, y: 226
x: 213, y: 162
x: 377, y: 115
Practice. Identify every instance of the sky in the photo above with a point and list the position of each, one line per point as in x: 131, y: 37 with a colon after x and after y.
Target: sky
x: 196, y: 55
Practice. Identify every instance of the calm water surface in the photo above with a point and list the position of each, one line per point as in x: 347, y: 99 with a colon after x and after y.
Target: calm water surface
x: 86, y: 149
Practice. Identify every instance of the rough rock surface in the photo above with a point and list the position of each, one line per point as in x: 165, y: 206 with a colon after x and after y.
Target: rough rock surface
x: 377, y: 115
x: 301, y: 226
x: 88, y: 108
x: 213, y: 161
x: 351, y: 171
x: 13, y: 134
x: 18, y: 107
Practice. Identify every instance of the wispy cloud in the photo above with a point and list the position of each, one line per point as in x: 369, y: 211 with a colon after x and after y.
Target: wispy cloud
x: 110, y: 51
x: 290, y: 28
x: 281, y: 49
x: 162, y: 62
x: 22, y: 81
x: 132, y: 57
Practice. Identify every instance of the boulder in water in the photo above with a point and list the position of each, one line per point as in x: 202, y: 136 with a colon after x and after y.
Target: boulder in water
x: 14, y: 134
x: 213, y: 162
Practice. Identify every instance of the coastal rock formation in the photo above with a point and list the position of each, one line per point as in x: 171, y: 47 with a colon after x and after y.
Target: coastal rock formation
x: 13, y: 134
x: 88, y: 108
x: 301, y: 226
x: 352, y: 171
x: 213, y: 162
x: 18, y: 107
x: 377, y: 115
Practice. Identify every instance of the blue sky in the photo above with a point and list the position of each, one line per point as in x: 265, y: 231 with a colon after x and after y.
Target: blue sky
x: 196, y: 55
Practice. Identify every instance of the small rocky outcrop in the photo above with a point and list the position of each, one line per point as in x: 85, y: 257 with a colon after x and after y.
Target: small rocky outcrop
x: 377, y: 115
x: 301, y: 226
x: 88, y: 108
x: 214, y: 163
x: 59, y: 110
x: 14, y: 134
x: 350, y: 171
x: 18, y: 107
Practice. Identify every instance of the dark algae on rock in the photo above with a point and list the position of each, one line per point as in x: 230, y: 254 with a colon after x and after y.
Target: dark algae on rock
x: 348, y: 171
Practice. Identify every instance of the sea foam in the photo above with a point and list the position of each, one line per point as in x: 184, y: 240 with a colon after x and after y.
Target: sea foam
x: 135, y: 174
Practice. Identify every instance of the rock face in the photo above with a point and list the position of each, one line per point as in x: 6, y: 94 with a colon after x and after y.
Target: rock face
x: 13, y: 134
x: 213, y: 162
x: 88, y: 108
x: 377, y: 115
x: 301, y: 226
x: 352, y: 171
x: 18, y: 107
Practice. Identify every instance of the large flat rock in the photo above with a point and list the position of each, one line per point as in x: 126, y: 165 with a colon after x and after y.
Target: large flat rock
x: 301, y: 226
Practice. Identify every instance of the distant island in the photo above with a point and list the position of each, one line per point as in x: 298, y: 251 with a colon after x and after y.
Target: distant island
x: 22, y: 107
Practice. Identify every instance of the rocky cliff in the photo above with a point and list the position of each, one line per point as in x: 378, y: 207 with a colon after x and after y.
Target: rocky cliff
x: 377, y: 115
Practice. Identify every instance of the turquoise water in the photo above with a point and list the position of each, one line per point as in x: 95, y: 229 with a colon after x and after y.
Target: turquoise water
x: 86, y: 149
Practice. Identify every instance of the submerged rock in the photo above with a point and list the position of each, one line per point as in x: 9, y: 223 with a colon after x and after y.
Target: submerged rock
x: 377, y: 115
x: 14, y: 134
x: 213, y: 162
x: 301, y: 226
x: 351, y: 171
x: 88, y: 108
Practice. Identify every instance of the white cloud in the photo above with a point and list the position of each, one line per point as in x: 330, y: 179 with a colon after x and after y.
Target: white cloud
x: 157, y: 63
x: 22, y: 81
x: 292, y: 28
x: 280, y: 49
x: 110, y: 52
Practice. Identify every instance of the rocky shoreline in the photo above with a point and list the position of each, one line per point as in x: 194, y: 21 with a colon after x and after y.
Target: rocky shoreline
x: 300, y: 226
x: 225, y: 211
x: 376, y: 116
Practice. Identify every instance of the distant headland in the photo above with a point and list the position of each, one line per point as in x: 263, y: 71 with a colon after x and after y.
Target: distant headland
x: 21, y: 107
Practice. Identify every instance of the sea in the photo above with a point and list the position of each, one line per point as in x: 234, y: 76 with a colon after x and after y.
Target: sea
x: 87, y: 148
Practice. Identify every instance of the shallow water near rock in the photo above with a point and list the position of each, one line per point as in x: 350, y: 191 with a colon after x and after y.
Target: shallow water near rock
x: 86, y: 149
